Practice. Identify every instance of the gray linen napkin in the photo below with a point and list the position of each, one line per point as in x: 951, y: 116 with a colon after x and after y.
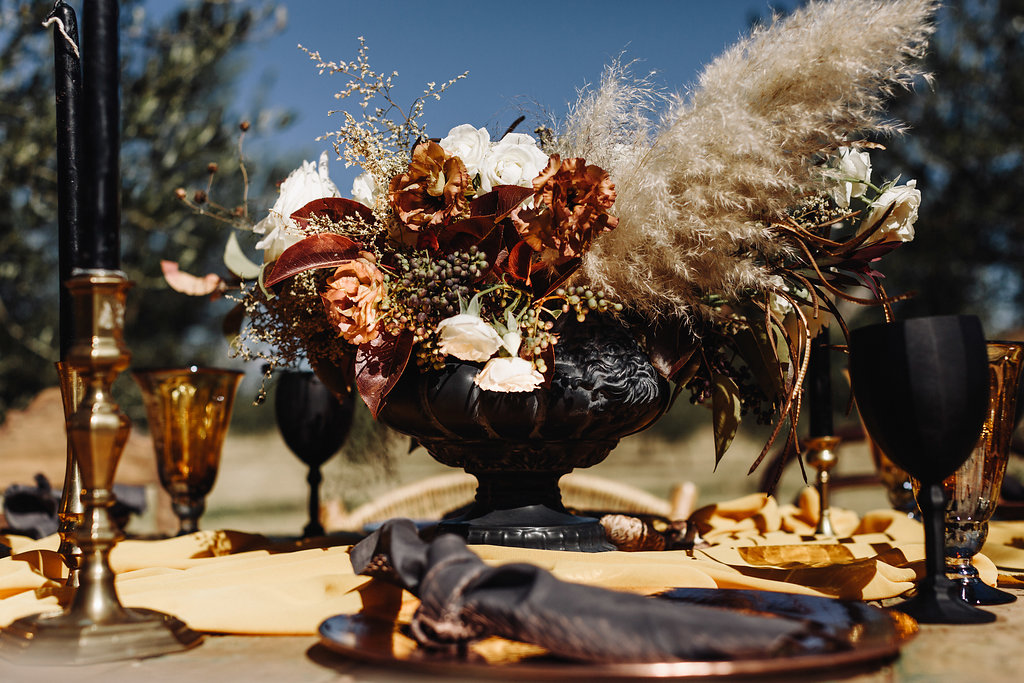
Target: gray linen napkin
x: 463, y: 599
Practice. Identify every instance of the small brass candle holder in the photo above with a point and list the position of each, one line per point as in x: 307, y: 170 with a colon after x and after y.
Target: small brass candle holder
x: 821, y: 455
x: 96, y: 627
x: 69, y: 516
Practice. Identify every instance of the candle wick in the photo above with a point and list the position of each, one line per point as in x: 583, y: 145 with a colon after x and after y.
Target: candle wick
x: 63, y: 31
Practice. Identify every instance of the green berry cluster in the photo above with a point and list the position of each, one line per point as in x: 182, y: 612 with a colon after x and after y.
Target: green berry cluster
x: 719, y: 362
x: 583, y: 300
x: 537, y: 336
x: 423, y: 291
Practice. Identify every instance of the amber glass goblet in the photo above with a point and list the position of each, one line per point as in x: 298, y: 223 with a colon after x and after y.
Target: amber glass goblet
x: 973, y: 489
x: 921, y: 386
x: 189, y: 410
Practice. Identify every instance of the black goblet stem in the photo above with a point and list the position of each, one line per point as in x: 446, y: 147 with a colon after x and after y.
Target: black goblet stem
x: 314, y: 528
x: 932, y: 502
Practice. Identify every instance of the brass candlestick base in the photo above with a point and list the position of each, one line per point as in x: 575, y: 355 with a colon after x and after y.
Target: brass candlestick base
x: 821, y: 455
x: 70, y: 513
x: 96, y: 627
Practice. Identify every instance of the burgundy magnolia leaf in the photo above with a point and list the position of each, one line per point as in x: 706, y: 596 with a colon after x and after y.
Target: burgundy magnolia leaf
x: 499, y: 202
x: 231, y: 326
x: 670, y: 346
x: 873, y: 252
x: 325, y: 250
x: 519, y: 262
x: 471, y: 232
x: 545, y: 279
x: 334, y: 209
x: 509, y: 199
x: 379, y: 364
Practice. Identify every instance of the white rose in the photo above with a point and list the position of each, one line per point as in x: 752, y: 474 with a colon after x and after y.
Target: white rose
x: 467, y: 337
x: 508, y: 375
x: 905, y: 201
x: 365, y: 189
x: 306, y: 183
x: 853, y: 171
x: 516, y: 160
x: 469, y: 144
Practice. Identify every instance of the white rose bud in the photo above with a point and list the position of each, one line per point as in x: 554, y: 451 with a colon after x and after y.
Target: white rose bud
x: 853, y: 170
x: 509, y: 375
x: 467, y: 337
x: 899, y: 225
x: 516, y: 160
x: 303, y: 185
x: 469, y: 144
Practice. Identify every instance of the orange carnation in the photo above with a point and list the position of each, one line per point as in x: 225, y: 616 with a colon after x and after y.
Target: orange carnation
x: 571, y: 204
x: 433, y: 191
x: 351, y: 299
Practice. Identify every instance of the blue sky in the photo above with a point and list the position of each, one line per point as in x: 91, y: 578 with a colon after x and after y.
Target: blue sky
x: 529, y: 51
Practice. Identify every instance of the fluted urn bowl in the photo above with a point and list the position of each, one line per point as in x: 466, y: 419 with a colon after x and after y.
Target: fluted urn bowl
x: 518, y: 445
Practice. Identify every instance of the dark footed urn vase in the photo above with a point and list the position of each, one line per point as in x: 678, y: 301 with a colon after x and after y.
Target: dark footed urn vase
x: 518, y: 445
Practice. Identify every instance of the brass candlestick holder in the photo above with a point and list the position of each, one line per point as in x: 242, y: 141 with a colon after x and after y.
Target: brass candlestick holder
x: 821, y: 455
x: 96, y: 627
x: 69, y: 516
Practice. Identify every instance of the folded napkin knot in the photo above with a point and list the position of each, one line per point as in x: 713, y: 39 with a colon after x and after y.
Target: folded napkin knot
x: 443, y: 618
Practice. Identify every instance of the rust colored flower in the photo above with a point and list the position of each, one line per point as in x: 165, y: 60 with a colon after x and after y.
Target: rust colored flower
x: 433, y: 191
x: 351, y: 299
x: 571, y: 203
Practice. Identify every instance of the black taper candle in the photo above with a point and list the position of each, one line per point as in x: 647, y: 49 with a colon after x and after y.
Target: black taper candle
x: 819, y: 386
x: 99, y: 246
x: 68, y: 87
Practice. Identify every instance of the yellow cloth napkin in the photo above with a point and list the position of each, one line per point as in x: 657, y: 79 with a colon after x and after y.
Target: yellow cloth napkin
x: 1005, y: 545
x: 231, y: 582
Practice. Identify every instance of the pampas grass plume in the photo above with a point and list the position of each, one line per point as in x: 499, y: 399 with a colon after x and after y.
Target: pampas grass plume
x: 699, y: 189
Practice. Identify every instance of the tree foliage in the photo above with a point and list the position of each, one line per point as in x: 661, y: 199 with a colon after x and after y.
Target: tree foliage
x: 180, y: 111
x: 966, y: 148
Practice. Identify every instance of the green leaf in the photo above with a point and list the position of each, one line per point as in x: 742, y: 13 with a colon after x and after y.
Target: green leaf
x: 237, y: 262
x: 725, y: 407
x: 758, y: 350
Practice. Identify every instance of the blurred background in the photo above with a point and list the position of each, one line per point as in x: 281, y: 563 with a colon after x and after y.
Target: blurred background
x: 194, y: 70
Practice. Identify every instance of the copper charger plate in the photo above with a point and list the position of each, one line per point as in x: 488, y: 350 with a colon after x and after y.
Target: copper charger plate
x: 872, y: 636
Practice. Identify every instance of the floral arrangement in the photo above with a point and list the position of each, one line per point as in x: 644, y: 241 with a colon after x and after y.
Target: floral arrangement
x: 722, y: 225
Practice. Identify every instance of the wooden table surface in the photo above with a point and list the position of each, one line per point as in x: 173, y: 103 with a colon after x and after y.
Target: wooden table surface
x: 965, y: 654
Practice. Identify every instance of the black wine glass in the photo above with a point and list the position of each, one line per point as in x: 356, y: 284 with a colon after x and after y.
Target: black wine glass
x: 314, y: 423
x: 922, y: 390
